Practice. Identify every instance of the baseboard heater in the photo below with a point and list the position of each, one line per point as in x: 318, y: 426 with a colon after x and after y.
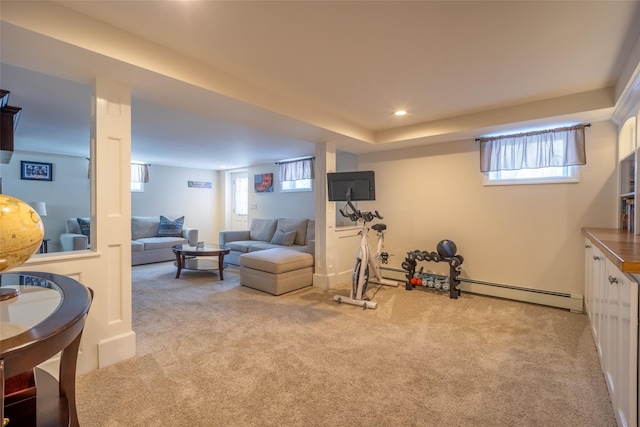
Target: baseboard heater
x: 570, y: 302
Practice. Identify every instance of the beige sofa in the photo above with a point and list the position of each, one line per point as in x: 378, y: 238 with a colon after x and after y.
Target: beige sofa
x: 146, y: 245
x: 296, y: 234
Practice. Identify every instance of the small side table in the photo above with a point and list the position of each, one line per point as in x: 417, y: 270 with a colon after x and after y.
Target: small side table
x: 44, y: 247
x: 47, y: 317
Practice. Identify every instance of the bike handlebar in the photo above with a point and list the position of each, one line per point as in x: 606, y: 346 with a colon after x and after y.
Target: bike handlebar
x: 366, y: 216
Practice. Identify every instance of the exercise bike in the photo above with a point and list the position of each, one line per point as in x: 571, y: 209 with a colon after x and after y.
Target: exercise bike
x: 367, y: 261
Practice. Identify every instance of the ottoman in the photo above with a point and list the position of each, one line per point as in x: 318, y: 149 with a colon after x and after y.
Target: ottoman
x: 276, y: 270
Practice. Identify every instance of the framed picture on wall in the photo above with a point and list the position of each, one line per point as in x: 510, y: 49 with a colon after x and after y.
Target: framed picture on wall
x: 263, y: 183
x: 36, y: 171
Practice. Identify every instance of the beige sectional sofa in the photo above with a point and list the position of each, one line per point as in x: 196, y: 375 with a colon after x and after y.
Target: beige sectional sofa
x: 146, y: 245
x: 296, y: 234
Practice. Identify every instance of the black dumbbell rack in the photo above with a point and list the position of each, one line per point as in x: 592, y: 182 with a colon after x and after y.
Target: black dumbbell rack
x: 455, y: 263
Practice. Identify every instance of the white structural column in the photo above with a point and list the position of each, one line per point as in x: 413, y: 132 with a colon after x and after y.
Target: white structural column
x: 325, y: 266
x: 111, y: 216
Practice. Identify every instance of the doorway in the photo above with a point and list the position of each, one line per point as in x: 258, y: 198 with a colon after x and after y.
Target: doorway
x: 240, y: 200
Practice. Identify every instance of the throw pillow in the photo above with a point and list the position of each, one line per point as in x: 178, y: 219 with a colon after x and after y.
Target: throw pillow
x: 169, y: 228
x: 284, y: 238
x: 262, y: 229
x: 85, y: 227
x: 299, y: 225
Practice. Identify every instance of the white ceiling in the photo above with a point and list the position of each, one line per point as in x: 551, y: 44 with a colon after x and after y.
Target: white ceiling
x: 285, y: 75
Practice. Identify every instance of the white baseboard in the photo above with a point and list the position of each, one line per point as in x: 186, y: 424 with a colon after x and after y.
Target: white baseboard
x: 116, y: 349
x: 332, y: 280
x: 572, y: 302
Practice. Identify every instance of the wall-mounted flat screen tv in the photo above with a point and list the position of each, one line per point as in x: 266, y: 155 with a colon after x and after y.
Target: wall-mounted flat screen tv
x: 360, y: 185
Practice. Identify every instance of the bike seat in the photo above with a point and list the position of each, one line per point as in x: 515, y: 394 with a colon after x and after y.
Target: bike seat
x: 379, y: 227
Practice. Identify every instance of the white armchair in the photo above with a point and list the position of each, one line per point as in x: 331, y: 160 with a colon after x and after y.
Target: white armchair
x: 73, y: 239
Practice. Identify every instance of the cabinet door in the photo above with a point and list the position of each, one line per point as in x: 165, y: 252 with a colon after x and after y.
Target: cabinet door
x: 588, y: 279
x: 598, y: 298
x: 628, y: 347
x: 622, y: 362
x: 609, y: 331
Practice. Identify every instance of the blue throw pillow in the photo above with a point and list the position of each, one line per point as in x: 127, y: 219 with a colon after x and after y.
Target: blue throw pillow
x: 85, y: 228
x: 170, y: 228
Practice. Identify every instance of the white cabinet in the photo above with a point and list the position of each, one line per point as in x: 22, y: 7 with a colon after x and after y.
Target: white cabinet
x: 611, y: 301
x: 594, y: 299
x: 621, y: 354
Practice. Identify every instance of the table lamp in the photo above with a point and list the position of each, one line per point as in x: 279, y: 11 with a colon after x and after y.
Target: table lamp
x: 39, y: 207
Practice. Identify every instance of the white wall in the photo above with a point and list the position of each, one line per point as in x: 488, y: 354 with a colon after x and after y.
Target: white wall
x: 168, y: 194
x: 298, y: 204
x: 525, y: 235
x: 520, y: 235
x: 68, y: 195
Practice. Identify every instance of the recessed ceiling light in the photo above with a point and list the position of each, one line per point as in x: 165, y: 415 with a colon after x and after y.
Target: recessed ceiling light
x: 400, y: 113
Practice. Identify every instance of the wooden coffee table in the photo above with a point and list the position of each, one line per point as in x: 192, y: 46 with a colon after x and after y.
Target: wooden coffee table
x: 187, y: 257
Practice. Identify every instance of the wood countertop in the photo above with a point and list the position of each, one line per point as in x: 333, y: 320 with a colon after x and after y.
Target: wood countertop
x: 619, y: 246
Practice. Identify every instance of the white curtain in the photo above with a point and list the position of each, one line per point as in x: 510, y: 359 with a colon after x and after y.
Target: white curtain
x: 139, y: 172
x: 296, y: 170
x: 533, y: 150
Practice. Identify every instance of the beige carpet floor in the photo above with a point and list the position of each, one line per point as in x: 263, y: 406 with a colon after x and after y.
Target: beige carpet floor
x: 214, y: 353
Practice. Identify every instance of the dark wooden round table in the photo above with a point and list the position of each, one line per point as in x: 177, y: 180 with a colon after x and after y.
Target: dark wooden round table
x: 45, y: 318
x: 187, y: 257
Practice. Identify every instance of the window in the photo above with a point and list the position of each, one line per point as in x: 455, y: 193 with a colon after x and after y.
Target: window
x: 296, y: 175
x: 297, y: 185
x: 539, y: 157
x: 533, y: 176
x: 139, y: 175
x: 241, y: 195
